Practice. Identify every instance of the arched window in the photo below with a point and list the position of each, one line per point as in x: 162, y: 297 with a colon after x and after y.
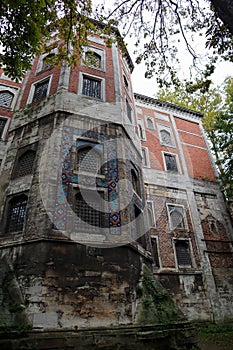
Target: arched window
x: 88, y: 211
x: 88, y: 160
x: 25, y: 164
x: 165, y: 137
x: 16, y: 213
x: 47, y: 61
x: 6, y: 98
x: 176, y: 216
x: 150, y: 124
x: 93, y: 59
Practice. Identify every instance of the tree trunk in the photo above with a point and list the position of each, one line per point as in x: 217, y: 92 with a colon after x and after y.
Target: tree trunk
x: 224, y: 9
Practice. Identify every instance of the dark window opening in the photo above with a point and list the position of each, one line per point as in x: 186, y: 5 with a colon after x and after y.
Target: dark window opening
x: 183, y: 253
x: 171, y: 164
x: 2, y: 126
x: 125, y: 82
x: 25, y: 164
x: 155, y: 253
x: 16, y: 214
x: 91, y: 87
x: 140, y: 132
x: 213, y: 226
x: 6, y: 98
x: 41, y: 90
x: 135, y: 182
x: 139, y: 227
x: 88, y: 209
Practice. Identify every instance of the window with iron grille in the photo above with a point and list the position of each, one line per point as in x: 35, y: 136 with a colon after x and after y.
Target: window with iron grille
x: 91, y: 87
x: 25, y: 164
x: 6, y: 98
x: 88, y: 209
x: 165, y: 137
x: 41, y: 90
x: 93, y: 59
x: 176, y: 216
x: 170, y: 161
x: 16, y: 214
x: 2, y: 126
x: 88, y: 160
x: 183, y: 253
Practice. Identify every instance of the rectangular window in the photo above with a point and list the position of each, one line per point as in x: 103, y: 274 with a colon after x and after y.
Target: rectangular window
x: 183, y: 253
x: 2, y: 126
x: 170, y: 163
x: 41, y: 90
x: 155, y: 253
x: 89, y: 211
x: 91, y: 87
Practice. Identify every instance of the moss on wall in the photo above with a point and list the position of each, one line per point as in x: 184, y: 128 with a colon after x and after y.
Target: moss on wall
x: 156, y: 305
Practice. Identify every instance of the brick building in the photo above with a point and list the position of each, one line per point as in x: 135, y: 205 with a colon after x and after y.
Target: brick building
x: 99, y: 183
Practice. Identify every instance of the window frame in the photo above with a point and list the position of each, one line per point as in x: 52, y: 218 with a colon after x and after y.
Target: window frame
x: 17, y: 165
x: 33, y: 88
x: 102, y: 220
x: 190, y: 251
x: 39, y: 68
x: 11, y: 100
x: 159, y: 263
x: 171, y: 226
x: 92, y: 77
x: 167, y: 128
x: 8, y: 212
x: 177, y: 162
x: 93, y: 148
x: 98, y: 51
x: 152, y: 121
x: 150, y: 207
x: 14, y: 91
x: 147, y: 157
x: 20, y: 152
x: 129, y: 108
x: 141, y: 123
x: 5, y: 128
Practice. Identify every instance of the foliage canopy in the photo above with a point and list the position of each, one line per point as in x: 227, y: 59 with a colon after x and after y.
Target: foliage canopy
x: 158, y: 28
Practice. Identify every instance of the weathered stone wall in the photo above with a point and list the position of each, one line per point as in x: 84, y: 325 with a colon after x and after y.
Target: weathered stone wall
x: 67, y: 285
